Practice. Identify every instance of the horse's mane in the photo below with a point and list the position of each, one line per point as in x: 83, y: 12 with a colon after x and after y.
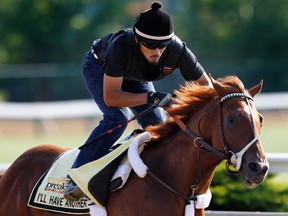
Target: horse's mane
x: 192, y: 97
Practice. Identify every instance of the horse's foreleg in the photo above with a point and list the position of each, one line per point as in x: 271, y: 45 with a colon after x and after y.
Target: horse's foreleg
x: 199, y: 212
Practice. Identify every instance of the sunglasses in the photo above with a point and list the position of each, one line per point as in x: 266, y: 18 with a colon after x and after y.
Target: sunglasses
x: 153, y: 46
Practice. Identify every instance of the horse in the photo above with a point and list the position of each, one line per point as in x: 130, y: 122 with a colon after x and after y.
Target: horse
x: 204, y: 127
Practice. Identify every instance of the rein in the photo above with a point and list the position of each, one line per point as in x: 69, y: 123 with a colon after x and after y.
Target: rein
x: 168, y: 187
x: 194, y: 187
x: 144, y: 112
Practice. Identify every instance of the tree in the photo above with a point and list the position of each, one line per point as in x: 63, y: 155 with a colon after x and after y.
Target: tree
x: 39, y: 31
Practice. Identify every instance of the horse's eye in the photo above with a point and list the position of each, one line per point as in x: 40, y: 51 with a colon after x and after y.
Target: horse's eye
x: 230, y: 120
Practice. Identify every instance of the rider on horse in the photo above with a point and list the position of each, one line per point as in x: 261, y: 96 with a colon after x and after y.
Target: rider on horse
x: 118, y: 71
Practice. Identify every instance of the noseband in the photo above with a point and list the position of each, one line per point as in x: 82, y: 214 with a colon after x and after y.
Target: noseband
x: 233, y: 159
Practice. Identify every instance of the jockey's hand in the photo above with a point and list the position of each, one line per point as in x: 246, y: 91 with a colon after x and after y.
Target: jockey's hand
x: 161, y: 99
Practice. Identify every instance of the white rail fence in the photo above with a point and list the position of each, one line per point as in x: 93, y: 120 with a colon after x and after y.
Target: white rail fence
x: 48, y: 110
x: 87, y: 108
x: 3, y: 167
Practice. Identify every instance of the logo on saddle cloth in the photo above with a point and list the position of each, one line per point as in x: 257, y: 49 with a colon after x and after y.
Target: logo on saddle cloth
x: 57, y: 185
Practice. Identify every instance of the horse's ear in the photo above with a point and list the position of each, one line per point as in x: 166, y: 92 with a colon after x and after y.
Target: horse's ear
x: 217, y: 86
x: 256, y: 89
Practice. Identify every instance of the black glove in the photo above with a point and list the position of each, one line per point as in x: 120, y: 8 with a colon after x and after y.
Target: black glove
x: 161, y: 99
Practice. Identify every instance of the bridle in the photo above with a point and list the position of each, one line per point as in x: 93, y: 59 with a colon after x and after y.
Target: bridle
x: 233, y: 159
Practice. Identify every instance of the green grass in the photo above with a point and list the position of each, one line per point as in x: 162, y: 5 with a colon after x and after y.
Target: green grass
x: 12, y: 147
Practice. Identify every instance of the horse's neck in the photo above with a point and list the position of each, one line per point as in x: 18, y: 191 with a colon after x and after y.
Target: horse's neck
x: 176, y: 160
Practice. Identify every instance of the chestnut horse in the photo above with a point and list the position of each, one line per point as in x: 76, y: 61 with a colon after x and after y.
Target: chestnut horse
x: 216, y: 124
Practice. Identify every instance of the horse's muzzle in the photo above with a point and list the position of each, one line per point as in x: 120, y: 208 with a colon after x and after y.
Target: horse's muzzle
x: 254, y: 173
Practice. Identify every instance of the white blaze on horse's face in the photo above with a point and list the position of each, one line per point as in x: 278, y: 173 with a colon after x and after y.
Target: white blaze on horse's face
x: 246, y: 110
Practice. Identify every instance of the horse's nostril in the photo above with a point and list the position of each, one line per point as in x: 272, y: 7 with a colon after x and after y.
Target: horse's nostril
x: 254, y: 167
x: 258, y: 167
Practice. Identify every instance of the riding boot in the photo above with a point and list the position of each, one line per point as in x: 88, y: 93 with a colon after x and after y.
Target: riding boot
x: 73, y: 192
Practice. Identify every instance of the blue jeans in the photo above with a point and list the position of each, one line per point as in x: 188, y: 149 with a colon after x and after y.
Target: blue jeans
x: 112, y: 116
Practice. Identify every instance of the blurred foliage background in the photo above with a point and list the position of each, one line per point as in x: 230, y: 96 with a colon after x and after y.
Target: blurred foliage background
x: 230, y: 194
x: 42, y: 43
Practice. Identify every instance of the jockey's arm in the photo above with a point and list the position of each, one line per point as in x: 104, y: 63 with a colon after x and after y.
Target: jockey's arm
x: 115, y: 97
x: 204, y: 80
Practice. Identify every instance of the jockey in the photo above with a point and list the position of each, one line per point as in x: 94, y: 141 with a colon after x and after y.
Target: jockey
x: 118, y: 71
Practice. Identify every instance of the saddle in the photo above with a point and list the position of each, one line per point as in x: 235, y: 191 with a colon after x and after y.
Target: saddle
x: 109, y: 173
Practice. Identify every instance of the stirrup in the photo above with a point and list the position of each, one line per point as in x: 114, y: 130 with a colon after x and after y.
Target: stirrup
x: 73, y: 192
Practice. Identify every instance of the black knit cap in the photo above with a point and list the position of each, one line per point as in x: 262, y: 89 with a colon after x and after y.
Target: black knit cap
x: 154, y: 24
